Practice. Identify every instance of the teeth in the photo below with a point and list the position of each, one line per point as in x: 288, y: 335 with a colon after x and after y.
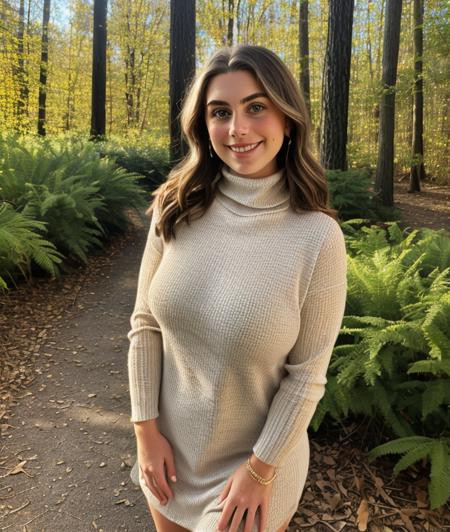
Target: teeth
x: 246, y: 148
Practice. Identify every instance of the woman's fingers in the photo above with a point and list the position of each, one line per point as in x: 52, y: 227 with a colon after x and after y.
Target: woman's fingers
x: 153, y: 487
x: 225, y: 516
x: 160, y: 479
x: 170, y: 467
x: 238, y: 515
x: 249, y: 519
x: 263, y: 511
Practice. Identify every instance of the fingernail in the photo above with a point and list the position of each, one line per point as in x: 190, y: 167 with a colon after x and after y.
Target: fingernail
x: 174, y: 478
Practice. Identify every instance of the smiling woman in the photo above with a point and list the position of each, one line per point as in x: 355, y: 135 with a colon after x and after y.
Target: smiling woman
x: 238, y: 310
x: 251, y: 132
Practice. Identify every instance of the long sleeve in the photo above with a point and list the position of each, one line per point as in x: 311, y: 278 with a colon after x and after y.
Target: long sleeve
x: 295, y: 402
x: 145, y: 350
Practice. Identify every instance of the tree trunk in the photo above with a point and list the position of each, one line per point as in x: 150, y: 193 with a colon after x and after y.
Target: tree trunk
x: 417, y: 169
x: 230, y: 22
x: 336, y: 82
x: 304, y: 53
x: 110, y: 97
x: 182, y: 67
x: 384, y: 180
x: 69, y: 104
x: 22, y: 104
x: 43, y: 69
x: 98, y: 113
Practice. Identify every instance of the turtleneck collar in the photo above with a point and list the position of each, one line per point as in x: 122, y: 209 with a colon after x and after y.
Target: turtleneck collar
x: 258, y: 193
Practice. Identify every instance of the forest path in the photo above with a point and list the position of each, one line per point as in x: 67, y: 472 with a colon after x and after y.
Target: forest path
x: 69, y: 437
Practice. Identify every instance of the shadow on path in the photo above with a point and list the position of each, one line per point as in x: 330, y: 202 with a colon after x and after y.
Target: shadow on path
x: 72, y: 427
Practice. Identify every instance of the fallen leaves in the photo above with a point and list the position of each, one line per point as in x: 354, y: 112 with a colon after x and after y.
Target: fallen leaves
x: 352, y: 495
x: 362, y: 515
x: 17, y: 469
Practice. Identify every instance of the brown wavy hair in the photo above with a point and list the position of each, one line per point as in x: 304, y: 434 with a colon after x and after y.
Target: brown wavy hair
x: 191, y: 184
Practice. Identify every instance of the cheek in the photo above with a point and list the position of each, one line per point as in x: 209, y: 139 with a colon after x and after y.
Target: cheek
x: 217, y: 131
x: 270, y: 127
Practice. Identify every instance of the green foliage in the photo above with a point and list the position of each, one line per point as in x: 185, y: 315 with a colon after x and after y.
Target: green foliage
x: 138, y: 157
x: 415, y: 448
x: 20, y: 242
x: 392, y: 357
x: 351, y: 193
x: 63, y: 183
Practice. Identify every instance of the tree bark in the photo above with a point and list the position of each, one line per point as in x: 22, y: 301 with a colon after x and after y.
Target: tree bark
x: 22, y: 104
x: 230, y: 22
x: 304, y: 53
x: 43, y: 69
x: 384, y: 180
x: 336, y: 82
x: 182, y: 67
x: 418, y: 168
x: 98, y: 112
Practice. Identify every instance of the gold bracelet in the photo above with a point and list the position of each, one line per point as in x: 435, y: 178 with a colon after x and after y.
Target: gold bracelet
x: 257, y: 477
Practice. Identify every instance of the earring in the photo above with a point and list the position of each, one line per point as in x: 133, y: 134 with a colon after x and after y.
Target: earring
x: 288, y: 146
x: 210, y: 151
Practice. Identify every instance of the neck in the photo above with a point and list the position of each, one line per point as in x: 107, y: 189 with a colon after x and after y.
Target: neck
x: 256, y: 193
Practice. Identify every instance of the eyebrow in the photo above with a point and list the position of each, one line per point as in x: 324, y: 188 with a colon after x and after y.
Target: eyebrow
x: 244, y: 100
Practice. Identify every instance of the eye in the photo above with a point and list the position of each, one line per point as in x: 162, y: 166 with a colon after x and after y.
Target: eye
x: 257, y: 105
x: 214, y: 113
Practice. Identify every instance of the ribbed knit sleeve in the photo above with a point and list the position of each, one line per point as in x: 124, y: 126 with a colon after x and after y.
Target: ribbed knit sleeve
x: 301, y: 389
x: 145, y: 350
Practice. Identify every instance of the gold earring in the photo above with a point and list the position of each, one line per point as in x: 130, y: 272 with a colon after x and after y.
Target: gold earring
x: 210, y: 152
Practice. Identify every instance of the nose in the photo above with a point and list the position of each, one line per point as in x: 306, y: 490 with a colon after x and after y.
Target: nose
x: 238, y: 125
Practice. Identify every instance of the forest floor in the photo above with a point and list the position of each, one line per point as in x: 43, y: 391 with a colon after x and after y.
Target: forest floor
x: 67, y: 442
x: 429, y: 208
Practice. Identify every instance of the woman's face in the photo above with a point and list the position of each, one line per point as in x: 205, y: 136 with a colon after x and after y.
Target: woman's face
x: 238, y: 114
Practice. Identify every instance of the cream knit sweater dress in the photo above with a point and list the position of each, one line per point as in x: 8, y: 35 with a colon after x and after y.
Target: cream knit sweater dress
x: 231, y: 336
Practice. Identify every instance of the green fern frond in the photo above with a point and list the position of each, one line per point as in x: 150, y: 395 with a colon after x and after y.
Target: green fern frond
x: 436, y: 393
x: 399, y: 446
x: 436, y: 327
x: 439, y: 488
x: 412, y: 456
x: 435, y: 367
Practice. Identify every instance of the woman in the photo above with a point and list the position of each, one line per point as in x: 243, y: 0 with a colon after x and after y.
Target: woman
x: 241, y: 295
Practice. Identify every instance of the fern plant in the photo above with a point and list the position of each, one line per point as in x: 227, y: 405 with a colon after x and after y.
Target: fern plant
x: 81, y: 197
x: 351, y: 193
x: 435, y: 450
x: 20, y: 243
x: 392, y: 357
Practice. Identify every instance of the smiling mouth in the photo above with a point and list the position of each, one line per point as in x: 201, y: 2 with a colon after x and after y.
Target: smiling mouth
x: 245, y: 149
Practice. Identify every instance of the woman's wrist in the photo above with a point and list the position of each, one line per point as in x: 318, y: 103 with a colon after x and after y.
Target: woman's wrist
x: 264, y: 470
x: 146, y: 426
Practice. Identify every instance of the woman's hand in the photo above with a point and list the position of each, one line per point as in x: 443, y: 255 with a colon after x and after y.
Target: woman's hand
x: 242, y: 493
x: 154, y: 452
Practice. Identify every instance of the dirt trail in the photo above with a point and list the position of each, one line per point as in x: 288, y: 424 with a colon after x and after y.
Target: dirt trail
x: 72, y: 427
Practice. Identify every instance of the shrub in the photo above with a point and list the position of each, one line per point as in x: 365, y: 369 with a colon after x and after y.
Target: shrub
x: 81, y: 197
x: 392, y: 358
x: 20, y: 243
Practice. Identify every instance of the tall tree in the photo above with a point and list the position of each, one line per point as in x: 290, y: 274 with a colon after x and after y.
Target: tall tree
x: 43, y: 69
x: 418, y: 168
x: 384, y: 180
x: 182, y: 67
x: 336, y: 82
x: 304, y: 52
x: 98, y: 113
x: 22, y: 103
x: 230, y: 22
